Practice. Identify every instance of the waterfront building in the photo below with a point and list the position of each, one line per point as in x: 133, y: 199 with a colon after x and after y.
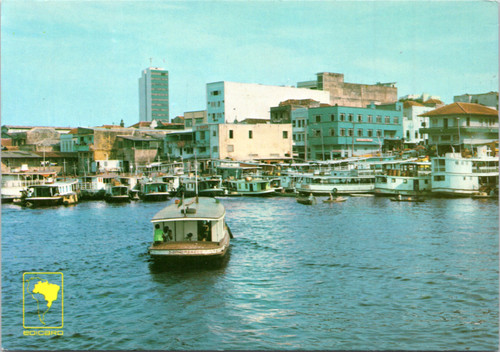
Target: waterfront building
x: 138, y: 150
x: 296, y: 113
x: 153, y: 94
x: 413, y: 122
x: 461, y: 125
x: 341, y: 131
x: 351, y: 94
x: 489, y: 99
x: 229, y: 102
x: 244, y: 141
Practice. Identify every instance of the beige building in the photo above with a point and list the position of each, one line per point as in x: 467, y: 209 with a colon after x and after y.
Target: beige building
x: 244, y: 141
x: 192, y: 118
x: 352, y: 94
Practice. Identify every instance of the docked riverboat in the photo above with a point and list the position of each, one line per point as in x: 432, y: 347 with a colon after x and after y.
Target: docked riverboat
x: 14, y: 183
x: 154, y: 191
x: 117, y: 194
x: 250, y: 186
x: 456, y: 176
x: 193, y: 229
x: 57, y: 193
x: 405, y: 177
x: 203, y: 186
x: 324, y: 185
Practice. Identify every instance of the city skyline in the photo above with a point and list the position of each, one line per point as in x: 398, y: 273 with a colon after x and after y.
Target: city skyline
x: 60, y: 70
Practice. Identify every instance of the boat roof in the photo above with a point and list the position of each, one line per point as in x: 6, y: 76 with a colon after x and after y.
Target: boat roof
x: 205, y: 208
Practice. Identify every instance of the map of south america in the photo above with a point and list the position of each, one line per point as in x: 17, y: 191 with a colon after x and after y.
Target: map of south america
x: 48, y: 291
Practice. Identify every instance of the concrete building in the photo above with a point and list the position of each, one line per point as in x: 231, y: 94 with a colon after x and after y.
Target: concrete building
x: 413, y: 122
x: 341, y: 131
x: 352, y: 94
x: 153, y: 94
x: 487, y: 99
x: 296, y: 113
x: 460, y: 125
x: 232, y: 141
x: 229, y: 102
x: 192, y: 118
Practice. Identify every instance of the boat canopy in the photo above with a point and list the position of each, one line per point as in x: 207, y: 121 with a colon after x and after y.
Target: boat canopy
x: 206, y: 208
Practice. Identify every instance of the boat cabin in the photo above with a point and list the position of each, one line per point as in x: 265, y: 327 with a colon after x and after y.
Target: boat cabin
x: 193, y: 222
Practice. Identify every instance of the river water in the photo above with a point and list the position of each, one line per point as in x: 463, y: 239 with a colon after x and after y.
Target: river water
x: 365, y: 274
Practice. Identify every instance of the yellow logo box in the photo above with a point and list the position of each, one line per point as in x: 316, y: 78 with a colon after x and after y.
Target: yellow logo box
x: 43, y: 300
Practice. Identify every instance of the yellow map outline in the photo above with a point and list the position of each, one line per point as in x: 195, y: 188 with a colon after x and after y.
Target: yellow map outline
x: 38, y: 310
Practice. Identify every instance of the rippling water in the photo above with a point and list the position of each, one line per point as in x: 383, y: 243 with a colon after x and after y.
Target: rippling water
x: 364, y: 274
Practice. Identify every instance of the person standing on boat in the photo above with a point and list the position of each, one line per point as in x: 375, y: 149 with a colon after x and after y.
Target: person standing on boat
x: 181, y: 190
x: 158, y: 238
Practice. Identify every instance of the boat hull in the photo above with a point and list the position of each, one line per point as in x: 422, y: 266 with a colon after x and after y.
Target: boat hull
x: 117, y: 199
x: 154, y: 197
x: 191, y: 251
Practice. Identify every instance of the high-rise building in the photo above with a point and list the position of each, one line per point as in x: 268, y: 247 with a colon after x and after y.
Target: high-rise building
x: 153, y: 94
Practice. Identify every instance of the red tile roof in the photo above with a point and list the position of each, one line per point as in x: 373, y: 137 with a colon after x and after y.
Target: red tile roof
x: 462, y: 109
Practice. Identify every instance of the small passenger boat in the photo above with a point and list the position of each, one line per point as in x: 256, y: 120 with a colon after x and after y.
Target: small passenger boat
x: 309, y: 200
x: 250, y: 187
x: 117, y: 194
x: 154, y: 191
x: 57, y: 193
x: 193, y: 229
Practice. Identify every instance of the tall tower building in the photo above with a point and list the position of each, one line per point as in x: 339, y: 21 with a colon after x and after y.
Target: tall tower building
x: 153, y: 94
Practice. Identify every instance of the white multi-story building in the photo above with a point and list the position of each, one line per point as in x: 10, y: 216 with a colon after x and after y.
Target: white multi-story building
x: 230, y: 102
x: 413, y: 122
x: 153, y: 94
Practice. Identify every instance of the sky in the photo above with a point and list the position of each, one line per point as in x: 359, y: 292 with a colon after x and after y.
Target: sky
x: 77, y: 63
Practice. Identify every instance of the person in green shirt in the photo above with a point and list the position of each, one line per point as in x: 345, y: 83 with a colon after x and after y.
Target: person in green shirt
x: 158, y: 238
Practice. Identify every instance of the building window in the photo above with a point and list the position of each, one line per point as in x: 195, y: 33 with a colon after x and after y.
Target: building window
x: 350, y: 132
x: 360, y: 118
x: 202, y: 135
x: 293, y: 123
x: 351, y: 116
x: 360, y: 133
x: 379, y: 119
x: 250, y: 134
x: 342, y: 117
x: 408, y: 134
x: 332, y: 132
x: 379, y: 133
x: 370, y: 119
x: 439, y: 178
x: 230, y: 148
x: 318, y: 118
x: 332, y: 117
x: 370, y: 133
x: 416, y: 134
x: 387, y: 119
x: 231, y: 134
x: 214, y: 133
x: 342, y: 132
x: 285, y: 134
x: 215, y: 149
x: 396, y: 120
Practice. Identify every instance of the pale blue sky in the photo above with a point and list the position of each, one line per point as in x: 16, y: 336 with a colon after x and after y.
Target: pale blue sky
x: 77, y: 63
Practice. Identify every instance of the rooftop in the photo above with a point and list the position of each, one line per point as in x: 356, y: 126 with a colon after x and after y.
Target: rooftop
x: 462, y: 109
x: 206, y: 208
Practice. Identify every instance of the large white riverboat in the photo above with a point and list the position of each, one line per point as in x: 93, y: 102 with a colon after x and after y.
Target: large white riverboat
x: 337, y: 183
x: 405, y: 177
x: 456, y: 176
x: 193, y: 229
x: 13, y: 183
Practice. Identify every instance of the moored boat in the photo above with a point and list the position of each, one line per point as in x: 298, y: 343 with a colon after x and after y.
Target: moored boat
x: 117, y: 194
x: 250, y: 186
x: 400, y: 198
x: 154, y: 191
x: 194, y: 229
x: 57, y: 193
